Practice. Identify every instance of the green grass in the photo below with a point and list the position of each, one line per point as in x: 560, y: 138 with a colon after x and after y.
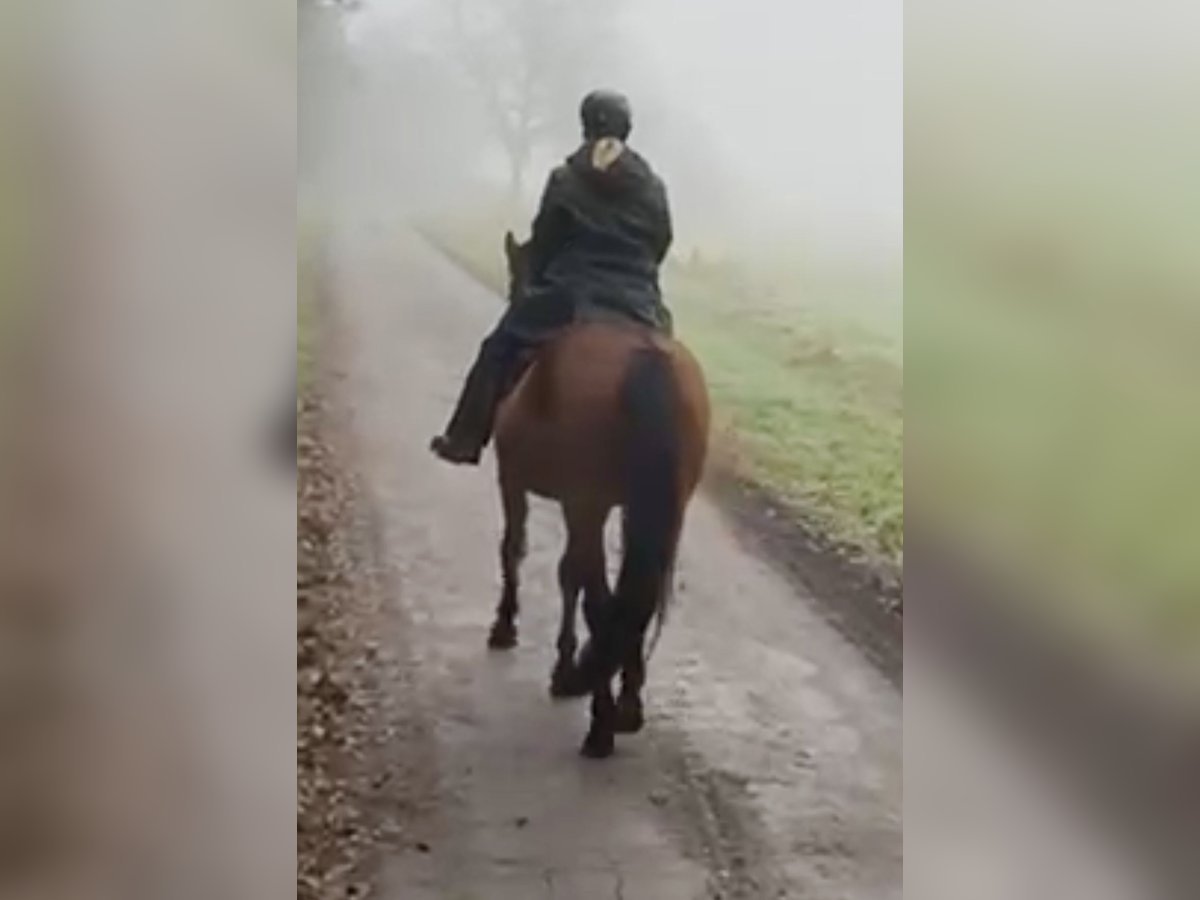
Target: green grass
x: 306, y: 327
x: 22, y: 216
x: 1060, y: 435
x: 1052, y: 338
x: 16, y: 214
x: 806, y: 393
x: 806, y: 405
x: 307, y: 285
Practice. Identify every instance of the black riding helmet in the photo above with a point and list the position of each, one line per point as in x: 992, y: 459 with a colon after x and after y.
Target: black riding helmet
x: 605, y: 114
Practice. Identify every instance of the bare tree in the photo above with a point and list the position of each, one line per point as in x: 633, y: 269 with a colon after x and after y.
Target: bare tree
x: 528, y: 62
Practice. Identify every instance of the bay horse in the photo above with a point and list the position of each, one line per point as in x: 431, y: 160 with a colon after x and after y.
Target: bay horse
x: 606, y: 415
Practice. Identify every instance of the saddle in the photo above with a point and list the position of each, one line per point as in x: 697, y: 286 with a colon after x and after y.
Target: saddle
x: 585, y: 314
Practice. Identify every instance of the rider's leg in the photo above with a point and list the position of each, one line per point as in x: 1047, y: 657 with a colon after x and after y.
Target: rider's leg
x: 470, y: 426
x: 523, y: 326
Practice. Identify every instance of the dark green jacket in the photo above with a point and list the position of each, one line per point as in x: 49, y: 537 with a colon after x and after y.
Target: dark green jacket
x: 601, y: 232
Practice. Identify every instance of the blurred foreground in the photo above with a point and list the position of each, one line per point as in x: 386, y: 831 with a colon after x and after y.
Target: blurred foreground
x: 146, y: 560
x: 1052, y: 292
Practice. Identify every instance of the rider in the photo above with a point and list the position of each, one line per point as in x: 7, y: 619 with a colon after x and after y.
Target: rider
x: 601, y: 233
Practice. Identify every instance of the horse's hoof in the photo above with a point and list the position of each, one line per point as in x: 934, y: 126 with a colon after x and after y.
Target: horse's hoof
x: 502, y: 637
x: 598, y: 745
x: 566, y: 683
x: 629, y: 718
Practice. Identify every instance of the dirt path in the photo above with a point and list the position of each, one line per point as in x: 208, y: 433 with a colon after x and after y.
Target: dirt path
x: 771, y: 763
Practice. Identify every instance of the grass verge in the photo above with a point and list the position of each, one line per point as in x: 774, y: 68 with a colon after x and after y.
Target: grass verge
x: 308, y: 286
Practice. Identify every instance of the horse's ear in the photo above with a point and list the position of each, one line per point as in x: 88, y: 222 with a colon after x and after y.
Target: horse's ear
x: 510, y: 245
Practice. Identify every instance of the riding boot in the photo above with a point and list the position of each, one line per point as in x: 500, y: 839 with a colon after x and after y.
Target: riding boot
x: 471, y: 425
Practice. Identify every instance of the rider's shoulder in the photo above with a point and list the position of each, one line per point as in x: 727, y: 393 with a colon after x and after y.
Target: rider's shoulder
x: 640, y: 163
x: 561, y: 175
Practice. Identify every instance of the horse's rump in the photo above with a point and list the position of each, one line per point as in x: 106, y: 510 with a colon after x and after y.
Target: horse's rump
x: 562, y: 428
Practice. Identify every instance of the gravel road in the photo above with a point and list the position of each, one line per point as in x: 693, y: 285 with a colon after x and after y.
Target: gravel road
x: 771, y: 763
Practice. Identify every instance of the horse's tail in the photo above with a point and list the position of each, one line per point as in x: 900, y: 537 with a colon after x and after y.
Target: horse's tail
x: 653, y: 507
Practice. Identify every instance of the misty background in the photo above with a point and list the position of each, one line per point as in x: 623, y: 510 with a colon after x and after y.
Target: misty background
x: 777, y: 128
x: 774, y: 124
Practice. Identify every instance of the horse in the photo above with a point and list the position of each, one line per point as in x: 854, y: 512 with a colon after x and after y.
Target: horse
x: 605, y: 415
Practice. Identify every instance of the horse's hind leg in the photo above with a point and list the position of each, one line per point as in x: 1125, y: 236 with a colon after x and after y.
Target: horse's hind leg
x: 600, y: 741
x: 630, y: 716
x: 503, y: 635
x: 564, y: 681
x: 582, y: 564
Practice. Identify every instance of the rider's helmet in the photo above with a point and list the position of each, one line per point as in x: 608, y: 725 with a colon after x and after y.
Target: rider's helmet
x: 605, y: 114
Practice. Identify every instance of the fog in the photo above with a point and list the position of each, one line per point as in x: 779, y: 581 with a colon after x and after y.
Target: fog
x: 779, y: 122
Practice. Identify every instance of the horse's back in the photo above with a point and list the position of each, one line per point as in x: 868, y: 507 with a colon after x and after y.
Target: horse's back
x: 560, y: 431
